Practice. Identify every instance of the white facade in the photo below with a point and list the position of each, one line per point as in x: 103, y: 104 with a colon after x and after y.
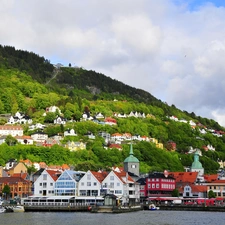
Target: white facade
x: 89, y: 185
x: 44, y: 185
x: 11, y: 130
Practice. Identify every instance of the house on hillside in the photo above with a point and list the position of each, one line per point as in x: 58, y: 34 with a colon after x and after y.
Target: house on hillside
x: 25, y: 140
x: 11, y: 130
x: 74, y: 146
x: 39, y: 137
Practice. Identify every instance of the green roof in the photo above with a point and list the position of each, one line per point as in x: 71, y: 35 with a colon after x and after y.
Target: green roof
x: 196, y: 164
x: 131, y: 158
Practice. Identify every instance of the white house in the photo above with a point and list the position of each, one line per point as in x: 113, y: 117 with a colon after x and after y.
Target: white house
x: 25, y: 140
x: 60, y: 120
x: 70, y: 132
x: 44, y: 185
x: 11, y: 130
x: 39, y: 137
x: 122, y: 185
x: 91, y: 184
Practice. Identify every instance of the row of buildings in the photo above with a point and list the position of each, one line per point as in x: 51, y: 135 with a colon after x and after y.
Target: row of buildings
x: 125, y: 183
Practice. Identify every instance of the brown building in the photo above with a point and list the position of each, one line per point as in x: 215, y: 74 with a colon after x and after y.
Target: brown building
x: 18, y: 187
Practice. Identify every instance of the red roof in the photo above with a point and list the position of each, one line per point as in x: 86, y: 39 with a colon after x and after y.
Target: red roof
x: 115, y: 146
x: 53, y: 174
x: 188, y: 177
x: 100, y: 176
x: 211, y: 177
x: 22, y: 175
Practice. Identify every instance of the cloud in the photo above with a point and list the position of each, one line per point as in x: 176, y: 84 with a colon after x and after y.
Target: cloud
x: 174, y: 49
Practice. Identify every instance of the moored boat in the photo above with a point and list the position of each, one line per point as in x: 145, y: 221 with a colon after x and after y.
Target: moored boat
x: 153, y: 207
x: 18, y: 208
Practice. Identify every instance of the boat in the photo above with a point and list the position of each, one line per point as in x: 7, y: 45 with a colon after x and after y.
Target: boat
x: 153, y: 207
x: 2, y: 209
x: 18, y: 208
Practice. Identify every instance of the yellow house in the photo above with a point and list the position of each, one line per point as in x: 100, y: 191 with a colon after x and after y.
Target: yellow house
x: 17, y: 168
x: 74, y: 146
x: 159, y: 145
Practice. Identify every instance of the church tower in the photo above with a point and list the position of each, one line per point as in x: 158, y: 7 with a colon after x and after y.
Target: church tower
x: 131, y: 163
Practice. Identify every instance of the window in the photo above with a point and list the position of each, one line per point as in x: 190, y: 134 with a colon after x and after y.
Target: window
x: 153, y: 185
x: 44, y: 185
x: 157, y: 179
x: 111, y: 177
x: 157, y: 185
x: 95, y: 183
x: 118, y: 191
x: 133, y: 166
x: 44, y: 176
x: 111, y: 185
x: 88, y: 183
x: 40, y: 184
x: 40, y: 192
x: 82, y: 183
x: 51, y: 184
x: 88, y: 176
x: 149, y: 185
x: 117, y: 184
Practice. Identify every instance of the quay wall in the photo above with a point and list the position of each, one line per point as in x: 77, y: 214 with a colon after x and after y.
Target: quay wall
x: 193, y: 208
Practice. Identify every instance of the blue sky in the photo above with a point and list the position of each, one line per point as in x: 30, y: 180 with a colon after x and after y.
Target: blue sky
x: 195, y: 4
x: 174, y: 49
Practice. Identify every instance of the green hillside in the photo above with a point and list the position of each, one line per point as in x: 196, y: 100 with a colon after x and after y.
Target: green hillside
x: 30, y: 84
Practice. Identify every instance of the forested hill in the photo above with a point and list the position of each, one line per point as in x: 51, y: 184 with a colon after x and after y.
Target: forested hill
x: 30, y: 84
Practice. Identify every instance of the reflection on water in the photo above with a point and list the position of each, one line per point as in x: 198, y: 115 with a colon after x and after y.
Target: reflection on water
x: 133, y: 218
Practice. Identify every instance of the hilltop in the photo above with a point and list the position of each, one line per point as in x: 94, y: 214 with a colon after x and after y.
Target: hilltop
x: 30, y: 84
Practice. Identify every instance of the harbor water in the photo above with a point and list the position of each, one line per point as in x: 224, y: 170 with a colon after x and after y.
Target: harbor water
x: 158, y: 217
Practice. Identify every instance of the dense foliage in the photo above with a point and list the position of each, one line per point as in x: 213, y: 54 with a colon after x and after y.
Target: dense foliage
x: 29, y: 84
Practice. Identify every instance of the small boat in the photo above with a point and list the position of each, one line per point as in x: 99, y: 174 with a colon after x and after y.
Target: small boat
x: 2, y: 209
x: 18, y: 208
x: 153, y: 207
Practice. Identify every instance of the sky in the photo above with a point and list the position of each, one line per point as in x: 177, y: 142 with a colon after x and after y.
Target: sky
x: 173, y: 49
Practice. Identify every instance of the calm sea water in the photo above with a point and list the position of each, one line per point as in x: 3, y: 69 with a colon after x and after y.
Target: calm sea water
x: 135, y: 218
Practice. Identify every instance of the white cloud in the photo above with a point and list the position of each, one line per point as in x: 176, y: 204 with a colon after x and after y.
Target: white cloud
x: 163, y: 47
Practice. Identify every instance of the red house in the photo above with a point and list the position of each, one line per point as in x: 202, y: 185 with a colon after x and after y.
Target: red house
x: 159, y: 184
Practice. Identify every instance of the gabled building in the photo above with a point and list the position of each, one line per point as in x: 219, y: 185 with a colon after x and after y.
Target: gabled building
x: 44, y: 184
x: 123, y: 186
x: 91, y: 184
x: 17, y: 168
x: 67, y: 183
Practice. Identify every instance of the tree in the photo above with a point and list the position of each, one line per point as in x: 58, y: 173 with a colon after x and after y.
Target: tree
x: 10, y: 140
x: 6, y: 191
x: 175, y: 193
x: 211, y: 194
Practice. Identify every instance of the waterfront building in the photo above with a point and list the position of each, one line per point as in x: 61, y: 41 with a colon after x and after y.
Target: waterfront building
x: 159, y: 184
x: 45, y: 182
x: 67, y: 183
x: 19, y: 187
x: 91, y: 183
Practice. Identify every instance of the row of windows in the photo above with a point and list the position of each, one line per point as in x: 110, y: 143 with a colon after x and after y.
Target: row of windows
x: 44, y: 185
x: 168, y: 186
x: 49, y: 192
x: 217, y: 187
x: 162, y: 180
